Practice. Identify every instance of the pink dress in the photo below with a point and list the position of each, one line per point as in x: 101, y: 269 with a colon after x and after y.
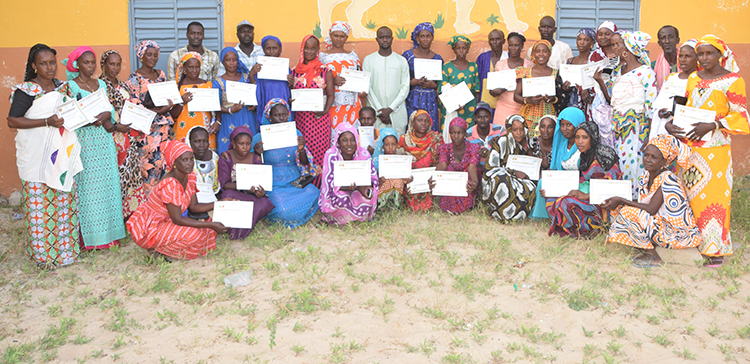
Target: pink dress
x: 505, y: 105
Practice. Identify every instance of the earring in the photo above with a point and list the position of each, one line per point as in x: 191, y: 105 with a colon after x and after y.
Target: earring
x: 624, y: 54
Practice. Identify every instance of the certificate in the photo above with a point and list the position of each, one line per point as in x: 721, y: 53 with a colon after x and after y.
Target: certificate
x: 73, y: 117
x: 674, y: 87
x: 572, y: 73
x: 205, y: 192
x: 137, y: 117
x: 455, y: 97
x: 450, y: 183
x: 536, y: 86
x: 163, y: 91
x: 526, y: 164
x: 559, y: 183
x: 588, y: 73
x: 273, y: 68
x: 95, y: 104
x: 308, y: 99
x: 204, y: 99
x: 242, y: 92
x: 356, y: 81
x: 281, y: 135
x: 394, y: 166
x: 685, y: 117
x: 431, y: 69
x: 234, y: 214
x: 254, y: 175
x: 347, y: 172
x: 420, y: 183
x: 366, y: 136
x: 502, y: 79
x: 602, y: 189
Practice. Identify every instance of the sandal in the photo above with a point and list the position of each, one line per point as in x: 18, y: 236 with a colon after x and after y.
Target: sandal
x: 713, y: 262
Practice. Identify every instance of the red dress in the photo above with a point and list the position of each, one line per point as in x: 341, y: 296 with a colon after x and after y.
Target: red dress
x: 457, y: 204
x: 316, y: 130
x: 152, y: 228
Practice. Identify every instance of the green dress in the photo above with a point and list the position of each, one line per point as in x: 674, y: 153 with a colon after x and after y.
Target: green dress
x: 452, y: 75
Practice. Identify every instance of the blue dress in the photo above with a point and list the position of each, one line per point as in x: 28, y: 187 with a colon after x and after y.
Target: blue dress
x: 231, y: 121
x: 420, y: 97
x: 294, y: 206
x: 270, y: 89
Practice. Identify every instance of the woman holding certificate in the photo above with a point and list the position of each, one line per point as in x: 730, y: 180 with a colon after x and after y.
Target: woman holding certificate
x: 460, y: 70
x: 188, y: 72
x: 341, y: 205
x: 459, y: 156
x: 159, y: 225
x: 422, y: 143
x: 232, y: 114
x: 423, y: 94
x: 269, y: 89
x: 580, y: 97
x: 506, y: 105
x: 346, y: 104
x: 48, y: 203
x: 295, y: 203
x: 99, y: 194
x: 716, y: 87
x: 673, y: 85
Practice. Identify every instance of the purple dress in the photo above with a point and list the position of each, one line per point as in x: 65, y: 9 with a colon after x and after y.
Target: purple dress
x: 262, y: 205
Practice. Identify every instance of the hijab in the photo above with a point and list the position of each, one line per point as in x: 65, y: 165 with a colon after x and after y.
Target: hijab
x: 589, y: 32
x: 142, y: 46
x: 360, y: 154
x: 241, y: 67
x: 71, y: 63
x: 269, y: 106
x: 606, y: 156
x: 385, y: 132
x: 181, y: 65
x: 241, y: 129
x: 340, y: 26
x: 419, y: 147
x: 672, y: 149
x: 420, y: 27
x: 267, y: 38
x: 530, y: 144
x: 560, y: 152
x: 310, y: 70
x: 727, y: 59
x: 541, y: 41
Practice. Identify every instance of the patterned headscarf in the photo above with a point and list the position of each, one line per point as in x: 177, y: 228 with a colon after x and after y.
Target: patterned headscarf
x: 511, y: 118
x: 541, y: 41
x: 71, y: 63
x: 459, y: 38
x: 419, y: 147
x: 636, y: 43
x: 269, y: 106
x: 269, y: 37
x: 142, y: 46
x: 311, y: 69
x: 530, y: 143
x: 340, y: 26
x: 420, y: 27
x: 385, y: 132
x: 458, y: 121
x: 606, y: 156
x: 671, y: 148
x: 727, y: 56
x: 115, y: 96
x: 690, y: 43
x: 589, y: 32
x: 181, y: 66
x: 173, y: 149
x: 560, y: 152
x: 241, y: 67
x: 241, y: 129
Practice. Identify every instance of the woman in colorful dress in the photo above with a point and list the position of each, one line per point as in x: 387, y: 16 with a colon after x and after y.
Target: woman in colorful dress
x: 506, y: 105
x: 708, y: 179
x: 422, y: 143
x: 188, y: 72
x: 310, y: 73
x: 160, y: 225
x: 294, y: 206
x: 98, y: 185
x: 580, y: 97
x: 662, y: 215
x: 423, y: 93
x: 128, y: 157
x: 390, y: 190
x: 533, y: 108
x: 346, y: 104
x: 573, y: 214
x: 342, y: 205
x: 460, y: 70
x: 151, y: 163
x: 232, y: 115
x: 268, y: 90
x: 48, y: 195
x: 458, y: 156
x: 509, y: 194
x: 633, y: 91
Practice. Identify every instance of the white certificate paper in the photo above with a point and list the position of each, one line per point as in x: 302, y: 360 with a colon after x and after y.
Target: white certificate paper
x: 281, y: 135
x: 347, y: 172
x: 137, y: 117
x: 526, y: 164
x: 273, y: 68
x: 559, y: 183
x: 450, y: 183
x: 308, y: 99
x: 234, y: 214
x: 420, y: 183
x: 163, y: 91
x: 685, y: 117
x: 674, y: 87
x: 455, y: 97
x: 431, y: 69
x: 205, y: 192
x: 95, y: 104
x: 356, y: 81
x: 394, y: 166
x: 242, y: 92
x: 572, y: 73
x: 602, y: 189
x: 204, y: 99
x: 254, y: 175
x: 536, y: 86
x: 366, y: 136
x: 502, y: 79
x: 588, y: 73
x: 73, y: 117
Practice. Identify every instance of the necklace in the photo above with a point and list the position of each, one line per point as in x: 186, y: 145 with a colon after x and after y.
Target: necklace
x: 86, y: 84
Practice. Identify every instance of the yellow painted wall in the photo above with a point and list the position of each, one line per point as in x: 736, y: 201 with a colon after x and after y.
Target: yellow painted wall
x: 727, y: 19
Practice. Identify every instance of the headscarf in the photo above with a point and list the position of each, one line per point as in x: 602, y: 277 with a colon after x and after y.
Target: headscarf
x: 671, y: 148
x: 340, y: 26
x: 606, y: 156
x: 419, y: 147
x: 589, y: 32
x: 142, y: 46
x: 560, y: 152
x: 71, y: 63
x: 690, y: 43
x: 267, y: 38
x: 727, y: 59
x: 607, y: 25
x: 190, y: 133
x: 241, y: 129
x: 515, y: 117
x: 116, y: 98
x: 186, y: 57
x: 541, y: 41
x: 269, y: 106
x: 458, y: 121
x: 636, y: 43
x: 360, y: 154
x: 173, y: 149
x: 385, y: 132
x: 420, y: 27
x: 459, y: 38
x: 311, y: 69
x: 530, y: 144
x: 241, y: 67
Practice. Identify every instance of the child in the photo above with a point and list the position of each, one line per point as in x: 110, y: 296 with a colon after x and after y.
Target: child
x: 390, y: 191
x: 367, y: 118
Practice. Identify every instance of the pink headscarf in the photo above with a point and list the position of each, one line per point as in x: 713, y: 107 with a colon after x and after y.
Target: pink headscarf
x: 458, y: 121
x: 72, y: 65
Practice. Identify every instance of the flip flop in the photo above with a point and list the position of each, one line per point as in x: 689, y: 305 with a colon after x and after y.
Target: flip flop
x: 640, y: 263
x: 713, y: 262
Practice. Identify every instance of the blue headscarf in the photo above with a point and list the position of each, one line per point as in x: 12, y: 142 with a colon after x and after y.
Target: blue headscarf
x: 560, y: 152
x: 241, y: 67
x: 589, y: 32
x: 267, y: 38
x: 420, y: 27
x: 379, y: 144
x: 266, y: 120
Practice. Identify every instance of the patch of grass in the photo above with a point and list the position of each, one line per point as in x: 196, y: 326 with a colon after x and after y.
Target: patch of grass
x: 17, y: 353
x: 743, y: 332
x: 298, y: 327
x: 81, y: 339
x: 428, y: 347
x: 457, y: 358
x: 57, y: 336
x: 470, y: 283
x: 587, y: 333
x: 661, y: 339
x: 297, y: 349
x: 306, y: 301
x: 685, y: 354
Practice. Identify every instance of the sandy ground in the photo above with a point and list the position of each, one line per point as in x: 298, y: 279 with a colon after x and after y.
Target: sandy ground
x: 408, y: 288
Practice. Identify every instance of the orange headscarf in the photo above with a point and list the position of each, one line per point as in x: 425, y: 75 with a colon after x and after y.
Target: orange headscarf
x: 727, y: 56
x: 311, y: 69
x: 419, y: 147
x: 181, y: 66
x: 172, y: 150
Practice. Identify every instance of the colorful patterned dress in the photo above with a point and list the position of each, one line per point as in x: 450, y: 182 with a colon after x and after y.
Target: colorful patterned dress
x: 508, y: 197
x: 230, y: 121
x: 425, y: 155
x: 346, y: 104
x: 391, y: 191
x: 420, y: 97
x: 457, y: 204
x: 534, y: 113
x: 317, y: 131
x: 453, y: 76
x: 188, y: 119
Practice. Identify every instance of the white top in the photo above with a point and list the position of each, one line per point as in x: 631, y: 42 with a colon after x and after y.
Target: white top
x: 572, y: 163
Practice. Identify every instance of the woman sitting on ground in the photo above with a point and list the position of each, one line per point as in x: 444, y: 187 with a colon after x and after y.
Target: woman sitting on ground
x: 459, y: 156
x: 422, y: 143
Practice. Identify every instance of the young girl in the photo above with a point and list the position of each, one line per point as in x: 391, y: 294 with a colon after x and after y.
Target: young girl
x: 390, y: 191
x: 367, y: 118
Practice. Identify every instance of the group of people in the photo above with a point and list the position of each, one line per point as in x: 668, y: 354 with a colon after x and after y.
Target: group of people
x: 621, y: 128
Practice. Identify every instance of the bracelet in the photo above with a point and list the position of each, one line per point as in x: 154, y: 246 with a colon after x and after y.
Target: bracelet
x: 718, y: 125
x: 45, y: 122
x: 556, y: 100
x: 230, y: 110
x: 524, y: 101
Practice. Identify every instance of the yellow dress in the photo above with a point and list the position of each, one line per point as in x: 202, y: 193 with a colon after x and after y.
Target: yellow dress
x: 189, y: 119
